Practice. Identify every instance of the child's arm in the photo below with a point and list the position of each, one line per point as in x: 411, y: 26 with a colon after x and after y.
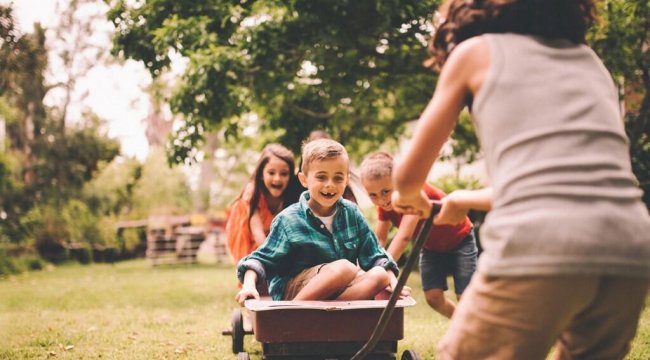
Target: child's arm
x: 403, y: 236
x: 460, y: 78
x: 370, y: 253
x: 456, y: 205
x: 271, y: 258
x: 257, y: 228
x: 248, y: 289
x: 383, y: 226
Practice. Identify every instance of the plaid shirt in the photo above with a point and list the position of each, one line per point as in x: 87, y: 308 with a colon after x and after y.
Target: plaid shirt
x: 299, y: 240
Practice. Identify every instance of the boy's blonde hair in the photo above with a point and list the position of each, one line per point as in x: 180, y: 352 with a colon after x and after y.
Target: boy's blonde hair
x: 376, y: 166
x: 321, y: 149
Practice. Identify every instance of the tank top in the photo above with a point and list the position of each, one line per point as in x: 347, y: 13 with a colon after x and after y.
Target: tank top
x: 565, y: 200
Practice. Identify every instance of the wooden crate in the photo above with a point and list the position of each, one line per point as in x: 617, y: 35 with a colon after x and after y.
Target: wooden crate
x: 178, y: 247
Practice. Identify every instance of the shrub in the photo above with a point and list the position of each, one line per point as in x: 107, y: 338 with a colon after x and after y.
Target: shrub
x: 132, y: 242
x: 7, y: 265
x: 48, y: 232
x: 449, y: 183
x: 10, y: 265
x: 32, y: 262
x: 59, y: 233
x: 81, y: 253
x: 106, y: 245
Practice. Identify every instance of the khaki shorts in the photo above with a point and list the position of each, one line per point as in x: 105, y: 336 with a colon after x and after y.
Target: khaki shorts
x: 300, y: 281
x: 586, y: 316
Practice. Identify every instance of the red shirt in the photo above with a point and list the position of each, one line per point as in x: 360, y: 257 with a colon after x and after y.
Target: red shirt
x: 442, y: 238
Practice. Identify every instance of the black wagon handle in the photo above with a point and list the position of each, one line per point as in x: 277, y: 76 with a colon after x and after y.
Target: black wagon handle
x: 404, y: 275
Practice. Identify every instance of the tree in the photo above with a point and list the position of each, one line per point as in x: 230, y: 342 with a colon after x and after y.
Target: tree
x: 622, y: 39
x: 23, y: 60
x: 78, y: 44
x: 43, y: 166
x: 160, y: 190
x: 110, y: 193
x: 351, y: 67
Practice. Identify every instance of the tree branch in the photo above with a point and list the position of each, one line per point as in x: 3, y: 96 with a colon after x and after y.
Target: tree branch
x: 310, y: 113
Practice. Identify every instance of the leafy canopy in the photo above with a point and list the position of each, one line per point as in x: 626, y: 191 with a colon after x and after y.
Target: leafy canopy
x: 351, y: 67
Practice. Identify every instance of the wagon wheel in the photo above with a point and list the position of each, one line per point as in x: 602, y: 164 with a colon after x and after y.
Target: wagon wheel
x: 410, y: 355
x: 237, y: 333
x: 243, y: 356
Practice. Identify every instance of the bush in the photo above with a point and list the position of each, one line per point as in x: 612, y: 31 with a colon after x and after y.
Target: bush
x: 105, y: 255
x: 132, y: 242
x: 82, y: 253
x: 449, y: 183
x: 52, y: 251
x: 48, y: 231
x: 10, y: 265
x: 7, y: 265
x: 106, y: 245
x: 32, y: 262
x: 59, y: 233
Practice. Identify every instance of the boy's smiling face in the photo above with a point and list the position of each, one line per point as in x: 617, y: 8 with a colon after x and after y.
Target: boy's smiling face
x: 326, y: 181
x: 380, y: 191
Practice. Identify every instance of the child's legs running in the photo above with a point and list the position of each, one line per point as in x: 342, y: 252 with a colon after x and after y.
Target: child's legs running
x: 366, y: 284
x: 465, y: 257
x: 514, y: 317
x: 321, y: 282
x: 434, y: 268
x: 605, y: 329
x: 439, y: 302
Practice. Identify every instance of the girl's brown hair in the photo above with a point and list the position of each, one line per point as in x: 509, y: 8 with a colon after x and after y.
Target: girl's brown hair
x: 550, y: 19
x: 290, y: 194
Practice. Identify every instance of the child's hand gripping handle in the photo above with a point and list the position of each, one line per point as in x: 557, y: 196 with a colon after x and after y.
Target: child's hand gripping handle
x: 248, y: 289
x: 406, y: 271
x: 245, y: 294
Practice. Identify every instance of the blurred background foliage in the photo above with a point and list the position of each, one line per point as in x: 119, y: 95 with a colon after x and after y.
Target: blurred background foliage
x: 256, y: 72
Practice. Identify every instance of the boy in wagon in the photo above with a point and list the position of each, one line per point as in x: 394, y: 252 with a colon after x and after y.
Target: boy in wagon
x: 315, y: 245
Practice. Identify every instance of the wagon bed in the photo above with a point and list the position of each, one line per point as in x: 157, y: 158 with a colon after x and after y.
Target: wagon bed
x: 324, y: 329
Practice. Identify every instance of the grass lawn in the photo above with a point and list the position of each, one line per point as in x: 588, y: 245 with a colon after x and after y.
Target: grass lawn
x: 133, y: 311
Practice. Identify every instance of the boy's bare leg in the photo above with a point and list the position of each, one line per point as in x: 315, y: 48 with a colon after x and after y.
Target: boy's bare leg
x: 439, y: 302
x: 366, y: 285
x: 330, y: 279
x: 247, y: 322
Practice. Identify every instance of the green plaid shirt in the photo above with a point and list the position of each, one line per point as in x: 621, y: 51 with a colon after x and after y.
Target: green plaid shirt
x: 299, y: 240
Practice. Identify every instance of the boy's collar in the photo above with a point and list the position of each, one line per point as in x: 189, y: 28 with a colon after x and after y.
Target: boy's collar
x: 304, y: 203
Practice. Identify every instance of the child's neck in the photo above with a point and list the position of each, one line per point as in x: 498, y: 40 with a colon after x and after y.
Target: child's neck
x: 320, y: 210
x: 274, y: 203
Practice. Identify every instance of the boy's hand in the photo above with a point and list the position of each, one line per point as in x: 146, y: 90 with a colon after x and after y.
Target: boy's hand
x: 406, y: 291
x: 416, y: 205
x: 247, y: 292
x: 452, y: 211
x: 457, y: 204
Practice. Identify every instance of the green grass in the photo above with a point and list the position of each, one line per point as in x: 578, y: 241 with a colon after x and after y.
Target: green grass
x: 133, y: 311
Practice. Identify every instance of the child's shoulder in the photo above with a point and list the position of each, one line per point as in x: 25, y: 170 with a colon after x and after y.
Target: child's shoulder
x: 291, y: 211
x: 348, y: 205
x: 293, y: 218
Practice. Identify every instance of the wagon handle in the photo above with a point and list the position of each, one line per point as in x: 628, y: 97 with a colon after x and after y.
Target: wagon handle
x: 388, y: 310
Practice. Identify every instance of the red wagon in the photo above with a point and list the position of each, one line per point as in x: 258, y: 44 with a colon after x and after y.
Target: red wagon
x: 335, y: 330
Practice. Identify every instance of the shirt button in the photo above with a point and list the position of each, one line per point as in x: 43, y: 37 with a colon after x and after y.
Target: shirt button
x: 322, y: 226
